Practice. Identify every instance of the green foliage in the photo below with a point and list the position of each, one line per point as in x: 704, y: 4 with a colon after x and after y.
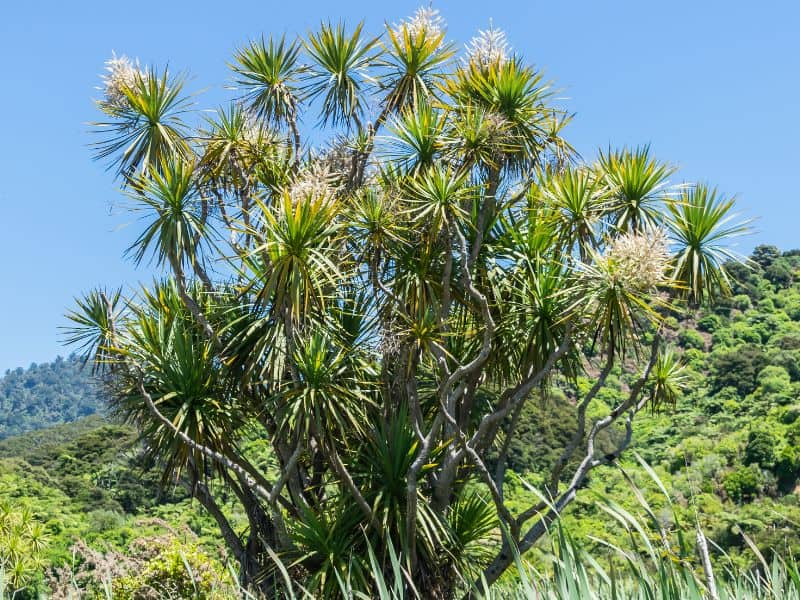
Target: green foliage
x: 760, y: 449
x: 743, y: 483
x: 176, y: 570
x: 709, y: 323
x: 728, y: 447
x: 737, y: 368
x: 350, y: 328
x: 86, y: 480
x: 764, y: 256
x: 23, y: 541
x: 690, y: 338
x: 726, y: 455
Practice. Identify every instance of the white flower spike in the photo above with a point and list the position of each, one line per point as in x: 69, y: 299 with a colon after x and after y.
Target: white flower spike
x: 490, y: 47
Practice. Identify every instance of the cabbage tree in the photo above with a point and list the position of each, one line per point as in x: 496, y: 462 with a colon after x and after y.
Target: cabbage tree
x: 373, y: 258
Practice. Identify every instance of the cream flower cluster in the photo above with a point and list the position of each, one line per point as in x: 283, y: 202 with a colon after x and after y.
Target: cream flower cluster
x: 315, y: 181
x: 121, y: 75
x: 490, y: 47
x: 252, y: 132
x: 639, y: 260
x: 426, y: 23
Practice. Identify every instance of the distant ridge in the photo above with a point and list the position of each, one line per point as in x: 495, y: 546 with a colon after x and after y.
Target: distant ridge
x: 46, y: 394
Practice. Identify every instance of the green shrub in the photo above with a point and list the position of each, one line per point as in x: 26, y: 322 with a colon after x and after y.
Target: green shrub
x: 22, y: 543
x: 102, y: 520
x: 709, y: 323
x: 177, y: 570
x: 787, y: 467
x: 779, y: 275
x: 738, y: 368
x: 760, y: 449
x: 741, y: 302
x: 743, y: 483
x: 774, y: 380
x: 689, y: 338
x: 790, y: 414
x: 765, y: 255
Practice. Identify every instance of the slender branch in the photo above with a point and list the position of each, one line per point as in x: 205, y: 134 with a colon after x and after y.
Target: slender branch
x: 510, y: 399
x: 500, y: 467
x: 347, y: 479
x: 194, y: 309
x: 203, y: 495
x: 632, y: 403
x: 486, y: 314
x: 489, y: 204
x: 581, y: 430
x: 497, y: 497
x: 411, y: 485
x: 285, y: 473
x: 521, y: 391
x: 259, y: 490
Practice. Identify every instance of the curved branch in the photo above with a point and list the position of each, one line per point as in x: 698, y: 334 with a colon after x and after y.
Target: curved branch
x: 257, y: 488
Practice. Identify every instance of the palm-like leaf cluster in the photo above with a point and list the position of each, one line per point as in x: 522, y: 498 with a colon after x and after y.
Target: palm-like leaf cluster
x: 23, y: 540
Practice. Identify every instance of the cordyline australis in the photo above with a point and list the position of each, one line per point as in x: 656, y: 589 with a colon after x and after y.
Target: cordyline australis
x: 351, y: 328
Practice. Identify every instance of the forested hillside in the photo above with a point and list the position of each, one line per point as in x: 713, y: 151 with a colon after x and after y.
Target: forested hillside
x: 46, y: 394
x: 728, y: 450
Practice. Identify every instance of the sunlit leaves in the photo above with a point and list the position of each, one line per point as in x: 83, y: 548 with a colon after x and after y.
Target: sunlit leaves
x: 436, y: 196
x: 701, y: 224
x: 293, y: 266
x: 180, y: 371
x: 416, y: 137
x: 518, y: 94
x: 414, y: 60
x: 339, y: 72
x: 539, y: 304
x: 94, y: 327
x: 170, y: 204
x: 147, y: 129
x: 638, y: 185
x: 328, y: 398
x: 667, y: 380
x: 581, y: 201
x: 375, y: 222
x: 268, y: 73
x: 478, y: 137
x: 23, y: 540
x: 234, y: 145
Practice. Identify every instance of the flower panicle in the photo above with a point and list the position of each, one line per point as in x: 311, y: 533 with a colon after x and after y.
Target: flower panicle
x: 426, y: 23
x: 487, y: 49
x: 121, y: 75
x: 639, y: 259
x: 315, y: 181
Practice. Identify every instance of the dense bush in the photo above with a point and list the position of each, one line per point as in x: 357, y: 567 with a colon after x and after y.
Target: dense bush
x: 737, y: 368
x: 760, y: 449
x: 743, y: 483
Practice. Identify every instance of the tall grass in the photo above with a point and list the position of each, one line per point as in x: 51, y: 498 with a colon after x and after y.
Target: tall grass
x: 652, y: 564
x: 573, y: 575
x: 579, y: 576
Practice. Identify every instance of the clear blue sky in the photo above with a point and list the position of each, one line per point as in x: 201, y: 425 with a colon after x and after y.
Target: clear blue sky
x: 712, y: 86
